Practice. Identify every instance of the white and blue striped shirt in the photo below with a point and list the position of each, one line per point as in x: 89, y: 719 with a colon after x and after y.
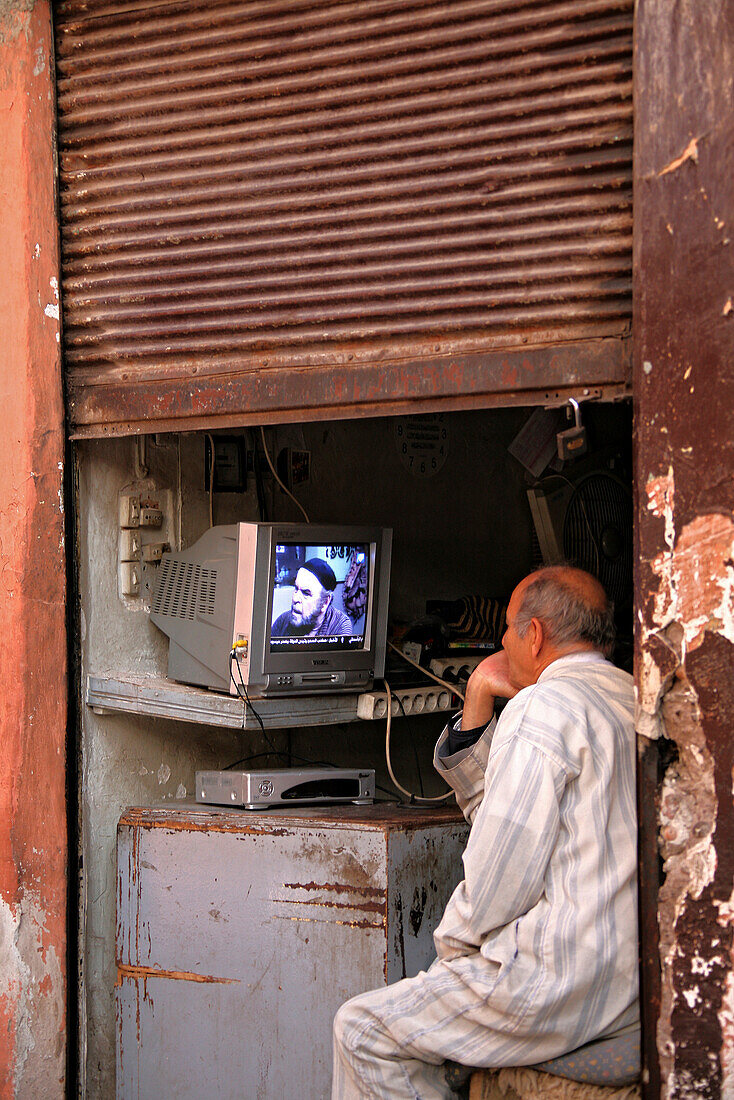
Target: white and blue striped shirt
x: 544, y: 924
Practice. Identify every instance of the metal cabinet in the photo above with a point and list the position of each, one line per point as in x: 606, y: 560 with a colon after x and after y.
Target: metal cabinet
x: 240, y: 934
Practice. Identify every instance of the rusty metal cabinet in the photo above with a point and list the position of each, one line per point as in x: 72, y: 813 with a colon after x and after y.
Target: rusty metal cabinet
x: 240, y: 934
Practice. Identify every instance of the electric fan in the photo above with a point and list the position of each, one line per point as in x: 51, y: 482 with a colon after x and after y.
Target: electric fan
x: 588, y: 523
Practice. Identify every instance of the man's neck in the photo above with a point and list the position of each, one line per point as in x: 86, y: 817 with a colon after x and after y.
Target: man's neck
x: 556, y: 652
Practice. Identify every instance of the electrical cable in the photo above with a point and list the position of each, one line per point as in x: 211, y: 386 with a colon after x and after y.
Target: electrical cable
x: 285, y: 489
x: 444, y: 683
x: 212, y: 459
x: 246, y: 699
x: 411, y: 731
x: 388, y: 761
x: 259, y: 487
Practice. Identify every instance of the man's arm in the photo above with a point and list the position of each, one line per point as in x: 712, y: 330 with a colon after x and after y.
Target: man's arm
x: 513, y: 835
x: 464, y: 769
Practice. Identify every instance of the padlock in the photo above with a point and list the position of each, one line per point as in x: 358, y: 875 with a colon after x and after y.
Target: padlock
x: 572, y: 442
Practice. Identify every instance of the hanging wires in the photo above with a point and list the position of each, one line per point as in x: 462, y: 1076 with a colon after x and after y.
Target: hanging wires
x: 285, y: 489
x: 444, y: 683
x: 388, y: 760
x: 212, y: 460
x: 241, y: 689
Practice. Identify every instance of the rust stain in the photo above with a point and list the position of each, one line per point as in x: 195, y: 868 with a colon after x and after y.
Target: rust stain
x: 342, y: 888
x: 689, y: 153
x: 142, y: 973
x: 367, y: 907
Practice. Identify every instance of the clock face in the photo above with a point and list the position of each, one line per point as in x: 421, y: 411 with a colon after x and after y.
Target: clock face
x: 422, y: 443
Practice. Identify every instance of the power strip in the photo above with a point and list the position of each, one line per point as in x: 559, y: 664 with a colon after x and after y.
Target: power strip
x: 439, y: 666
x: 373, y: 704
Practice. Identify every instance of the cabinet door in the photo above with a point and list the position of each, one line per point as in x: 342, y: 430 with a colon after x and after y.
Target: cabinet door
x: 235, y: 949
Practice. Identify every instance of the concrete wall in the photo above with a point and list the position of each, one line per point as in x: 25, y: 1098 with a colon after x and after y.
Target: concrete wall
x: 466, y: 530
x: 32, y: 574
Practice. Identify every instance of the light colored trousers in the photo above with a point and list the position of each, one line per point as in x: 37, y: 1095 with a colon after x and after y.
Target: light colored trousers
x: 391, y: 1043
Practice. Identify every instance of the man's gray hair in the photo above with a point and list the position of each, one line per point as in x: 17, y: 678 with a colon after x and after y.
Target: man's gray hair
x: 566, y: 612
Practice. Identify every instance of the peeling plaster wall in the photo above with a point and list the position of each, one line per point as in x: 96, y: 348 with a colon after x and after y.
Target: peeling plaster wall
x: 32, y: 574
x: 684, y: 384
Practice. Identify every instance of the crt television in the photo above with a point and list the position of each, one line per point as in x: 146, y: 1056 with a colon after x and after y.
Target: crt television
x: 303, y: 607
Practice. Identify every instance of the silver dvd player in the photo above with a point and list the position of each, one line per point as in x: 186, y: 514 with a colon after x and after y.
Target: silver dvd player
x: 256, y: 790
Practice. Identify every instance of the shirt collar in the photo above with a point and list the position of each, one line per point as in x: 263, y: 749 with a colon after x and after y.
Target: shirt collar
x: 587, y: 656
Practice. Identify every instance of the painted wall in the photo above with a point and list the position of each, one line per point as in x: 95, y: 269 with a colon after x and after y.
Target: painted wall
x: 684, y: 386
x: 32, y: 574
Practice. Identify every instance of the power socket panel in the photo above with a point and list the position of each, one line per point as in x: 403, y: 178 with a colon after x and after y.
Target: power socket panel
x: 146, y: 530
x: 372, y: 705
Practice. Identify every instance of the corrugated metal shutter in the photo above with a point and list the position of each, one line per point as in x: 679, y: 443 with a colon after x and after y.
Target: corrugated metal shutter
x: 276, y: 208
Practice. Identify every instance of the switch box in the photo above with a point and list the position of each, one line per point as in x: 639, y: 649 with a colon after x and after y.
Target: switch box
x: 146, y: 530
x: 129, y: 511
x: 130, y: 545
x: 130, y: 578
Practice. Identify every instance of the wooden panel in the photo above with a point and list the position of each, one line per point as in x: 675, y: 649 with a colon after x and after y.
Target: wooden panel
x: 253, y: 188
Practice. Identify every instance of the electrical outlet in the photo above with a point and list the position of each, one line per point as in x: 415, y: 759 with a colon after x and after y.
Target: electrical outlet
x: 153, y: 551
x: 150, y: 516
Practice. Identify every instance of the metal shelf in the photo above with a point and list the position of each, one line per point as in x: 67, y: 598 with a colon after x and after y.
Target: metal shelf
x: 162, y: 698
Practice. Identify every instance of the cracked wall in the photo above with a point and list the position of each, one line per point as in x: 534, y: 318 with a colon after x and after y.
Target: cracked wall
x: 684, y: 276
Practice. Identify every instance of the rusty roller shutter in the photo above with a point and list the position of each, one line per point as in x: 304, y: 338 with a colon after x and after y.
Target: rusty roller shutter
x: 273, y: 210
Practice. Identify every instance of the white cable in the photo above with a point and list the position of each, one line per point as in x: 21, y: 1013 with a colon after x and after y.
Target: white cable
x: 444, y: 683
x: 388, y: 761
x: 286, y: 490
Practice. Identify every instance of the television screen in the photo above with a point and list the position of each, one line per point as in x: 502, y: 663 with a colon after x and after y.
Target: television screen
x: 319, y: 598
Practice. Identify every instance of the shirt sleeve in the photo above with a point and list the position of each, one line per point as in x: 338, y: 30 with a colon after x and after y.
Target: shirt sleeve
x: 464, y: 770
x: 513, y: 835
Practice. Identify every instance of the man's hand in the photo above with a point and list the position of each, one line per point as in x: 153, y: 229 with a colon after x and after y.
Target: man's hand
x: 488, y: 680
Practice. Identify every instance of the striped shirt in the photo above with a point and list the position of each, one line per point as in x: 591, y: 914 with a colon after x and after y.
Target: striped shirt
x: 544, y: 924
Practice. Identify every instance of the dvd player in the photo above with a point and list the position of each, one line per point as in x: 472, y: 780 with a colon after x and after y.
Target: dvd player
x: 256, y: 790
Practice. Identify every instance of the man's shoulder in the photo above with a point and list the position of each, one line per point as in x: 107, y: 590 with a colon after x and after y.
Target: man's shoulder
x: 341, y: 619
x: 590, y: 679
x: 569, y: 697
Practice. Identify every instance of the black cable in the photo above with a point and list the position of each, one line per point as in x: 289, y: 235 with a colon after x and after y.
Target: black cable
x: 248, y: 702
x: 252, y: 756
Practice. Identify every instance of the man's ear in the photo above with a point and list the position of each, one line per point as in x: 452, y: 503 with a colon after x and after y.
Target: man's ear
x: 537, y: 637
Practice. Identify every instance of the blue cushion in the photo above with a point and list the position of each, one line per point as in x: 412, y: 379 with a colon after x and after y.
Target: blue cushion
x: 614, y: 1061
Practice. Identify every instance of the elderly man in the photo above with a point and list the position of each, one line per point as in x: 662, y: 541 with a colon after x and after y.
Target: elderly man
x: 537, y: 948
x: 312, y: 613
